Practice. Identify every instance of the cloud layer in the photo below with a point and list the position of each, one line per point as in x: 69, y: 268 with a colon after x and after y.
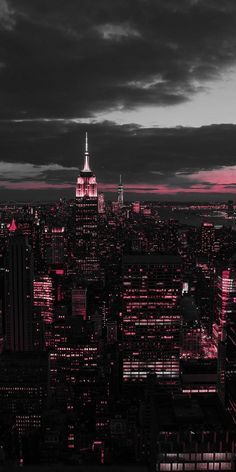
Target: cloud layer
x: 64, y: 64
x: 78, y: 58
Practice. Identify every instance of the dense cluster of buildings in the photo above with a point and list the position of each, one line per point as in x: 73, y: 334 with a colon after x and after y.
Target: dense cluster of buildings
x: 117, y: 335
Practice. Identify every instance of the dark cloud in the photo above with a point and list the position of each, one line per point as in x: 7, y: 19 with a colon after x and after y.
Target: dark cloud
x: 61, y: 62
x: 51, y: 152
x: 79, y: 57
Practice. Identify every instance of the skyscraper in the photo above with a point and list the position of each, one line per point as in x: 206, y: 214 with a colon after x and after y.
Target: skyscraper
x: 79, y: 302
x: 86, y: 252
x: 120, y: 193
x: 151, y: 317
x: 19, y: 285
x: 43, y: 310
x: 54, y: 248
x: 207, y: 238
x: 226, y: 328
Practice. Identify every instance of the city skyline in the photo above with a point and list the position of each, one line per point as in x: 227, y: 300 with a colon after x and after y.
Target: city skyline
x: 153, y: 86
x: 117, y: 235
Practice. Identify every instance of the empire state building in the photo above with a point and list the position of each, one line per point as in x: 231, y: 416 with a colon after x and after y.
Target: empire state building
x: 87, y: 221
x: 86, y: 182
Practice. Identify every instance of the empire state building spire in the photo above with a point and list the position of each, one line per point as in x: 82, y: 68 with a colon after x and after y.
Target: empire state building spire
x: 86, y: 156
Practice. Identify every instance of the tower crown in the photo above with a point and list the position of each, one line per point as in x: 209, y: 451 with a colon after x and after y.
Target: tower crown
x: 12, y: 226
x: 86, y: 181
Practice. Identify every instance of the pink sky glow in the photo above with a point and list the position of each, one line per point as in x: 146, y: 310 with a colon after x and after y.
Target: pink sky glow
x: 203, y: 181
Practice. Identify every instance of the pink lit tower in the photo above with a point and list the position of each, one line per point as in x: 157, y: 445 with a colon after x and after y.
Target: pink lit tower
x: 86, y: 182
x: 87, y: 221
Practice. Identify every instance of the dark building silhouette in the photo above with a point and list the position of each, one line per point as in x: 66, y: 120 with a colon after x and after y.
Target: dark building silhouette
x: 230, y: 208
x: 19, y: 285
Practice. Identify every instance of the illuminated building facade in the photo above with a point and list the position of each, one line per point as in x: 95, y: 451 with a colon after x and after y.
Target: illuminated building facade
x: 226, y: 330
x: 86, y: 250
x: 207, y: 238
x: 54, y: 245
x: 19, y: 293
x: 225, y: 296
x: 43, y: 310
x: 58, y: 252
x: 151, y: 318
x: 79, y: 302
x: 230, y: 368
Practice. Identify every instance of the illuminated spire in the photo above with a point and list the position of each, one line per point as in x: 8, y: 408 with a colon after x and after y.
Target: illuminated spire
x: 12, y: 226
x: 86, y: 155
x: 120, y: 192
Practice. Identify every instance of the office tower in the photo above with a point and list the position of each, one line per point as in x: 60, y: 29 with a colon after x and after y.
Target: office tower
x: 229, y: 354
x: 73, y: 365
x: 151, y: 318
x: 43, y: 311
x: 226, y: 330
x: 54, y: 246
x: 207, y: 238
x: 205, y: 289
x: 19, y: 285
x: 23, y: 390
x: 58, y: 246
x: 86, y: 252
x: 79, y: 302
x: 120, y: 193
x: 225, y: 297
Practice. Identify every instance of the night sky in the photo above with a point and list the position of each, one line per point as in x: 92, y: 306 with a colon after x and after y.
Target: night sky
x: 152, y: 81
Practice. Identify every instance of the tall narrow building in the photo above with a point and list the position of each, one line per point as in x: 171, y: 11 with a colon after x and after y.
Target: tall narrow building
x: 120, y: 193
x: 207, y: 238
x: 86, y: 251
x: 19, y: 293
x: 226, y: 328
